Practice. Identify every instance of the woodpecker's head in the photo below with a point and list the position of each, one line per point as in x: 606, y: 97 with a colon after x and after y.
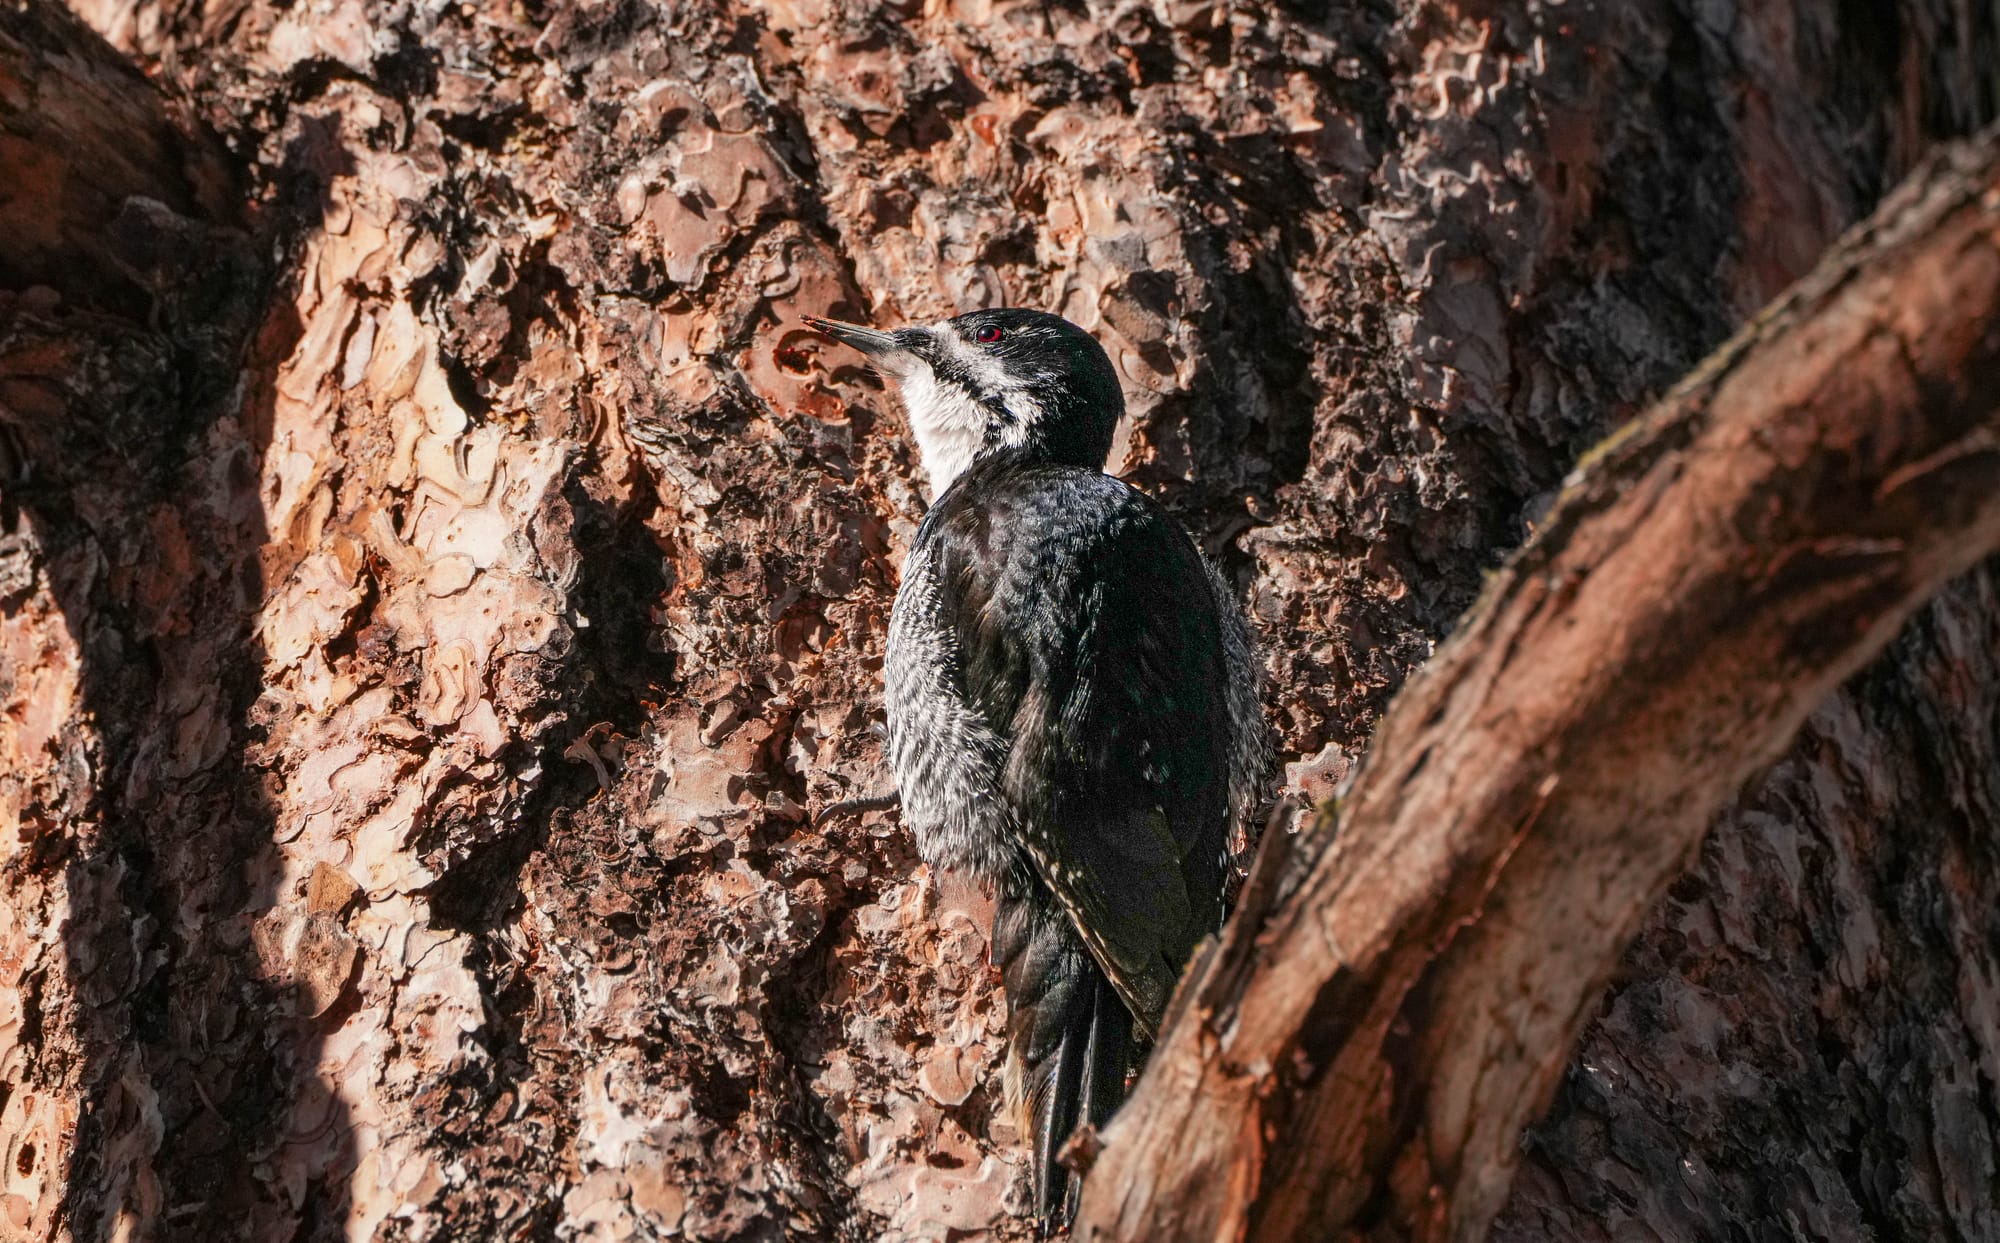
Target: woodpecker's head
x: 995, y: 380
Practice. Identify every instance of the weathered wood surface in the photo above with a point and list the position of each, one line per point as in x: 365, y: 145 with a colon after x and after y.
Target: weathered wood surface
x: 1362, y: 1055
x: 436, y: 588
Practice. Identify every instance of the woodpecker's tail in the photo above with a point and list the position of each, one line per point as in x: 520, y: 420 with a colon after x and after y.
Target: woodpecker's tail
x: 1069, y: 1037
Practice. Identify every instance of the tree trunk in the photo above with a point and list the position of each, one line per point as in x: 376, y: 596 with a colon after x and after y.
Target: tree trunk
x: 1365, y: 1050
x: 435, y: 593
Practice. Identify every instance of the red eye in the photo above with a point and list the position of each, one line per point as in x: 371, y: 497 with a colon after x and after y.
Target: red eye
x: 988, y: 334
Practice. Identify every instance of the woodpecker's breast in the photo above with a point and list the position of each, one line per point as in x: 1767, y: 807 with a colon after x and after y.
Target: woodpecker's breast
x: 1062, y: 663
x: 945, y: 755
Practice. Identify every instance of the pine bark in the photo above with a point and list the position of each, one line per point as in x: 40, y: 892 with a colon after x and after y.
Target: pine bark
x: 1363, y: 1051
x: 439, y: 579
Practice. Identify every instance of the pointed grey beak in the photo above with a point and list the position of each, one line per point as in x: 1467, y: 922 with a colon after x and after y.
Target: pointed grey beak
x: 868, y: 340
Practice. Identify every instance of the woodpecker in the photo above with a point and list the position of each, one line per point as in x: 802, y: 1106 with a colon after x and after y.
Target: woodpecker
x: 1072, y: 704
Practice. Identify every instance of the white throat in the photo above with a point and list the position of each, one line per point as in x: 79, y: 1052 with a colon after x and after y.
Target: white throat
x: 950, y: 426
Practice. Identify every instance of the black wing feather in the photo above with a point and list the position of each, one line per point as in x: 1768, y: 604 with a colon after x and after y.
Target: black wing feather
x: 1088, y: 639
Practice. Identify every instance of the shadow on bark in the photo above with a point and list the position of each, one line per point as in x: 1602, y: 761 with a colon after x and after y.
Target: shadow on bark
x: 1829, y: 947
x: 134, y: 409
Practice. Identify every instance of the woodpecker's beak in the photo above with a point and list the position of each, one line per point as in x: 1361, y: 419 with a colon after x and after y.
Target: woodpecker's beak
x: 869, y: 341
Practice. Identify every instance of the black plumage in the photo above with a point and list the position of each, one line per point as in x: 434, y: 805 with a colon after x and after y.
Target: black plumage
x: 1072, y: 708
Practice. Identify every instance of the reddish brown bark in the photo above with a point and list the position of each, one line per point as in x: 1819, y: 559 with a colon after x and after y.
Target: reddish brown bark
x: 1361, y: 1055
x: 97, y: 165
x: 432, y: 612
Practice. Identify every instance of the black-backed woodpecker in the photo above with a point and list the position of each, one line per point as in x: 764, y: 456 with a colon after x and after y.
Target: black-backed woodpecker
x: 1072, y: 704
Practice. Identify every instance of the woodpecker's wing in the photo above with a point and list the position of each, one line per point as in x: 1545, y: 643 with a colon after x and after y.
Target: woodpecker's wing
x: 1089, y: 639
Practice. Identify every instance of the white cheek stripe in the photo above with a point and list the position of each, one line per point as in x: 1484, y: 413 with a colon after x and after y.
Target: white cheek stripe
x: 949, y: 425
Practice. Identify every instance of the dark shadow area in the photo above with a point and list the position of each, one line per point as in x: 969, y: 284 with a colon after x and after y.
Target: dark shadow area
x: 137, y: 417
x: 607, y: 677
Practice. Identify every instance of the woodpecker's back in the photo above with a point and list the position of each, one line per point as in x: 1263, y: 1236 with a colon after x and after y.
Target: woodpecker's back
x: 1071, y: 702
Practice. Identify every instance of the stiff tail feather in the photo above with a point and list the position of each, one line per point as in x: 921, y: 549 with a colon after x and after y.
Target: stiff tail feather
x: 1069, y: 1038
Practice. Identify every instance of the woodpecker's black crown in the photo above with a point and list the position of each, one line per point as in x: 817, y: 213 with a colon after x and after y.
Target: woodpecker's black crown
x: 1071, y: 705
x: 1071, y: 389
x: 997, y: 380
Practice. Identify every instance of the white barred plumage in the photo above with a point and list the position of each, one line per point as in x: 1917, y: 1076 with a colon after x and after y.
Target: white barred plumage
x: 1072, y: 703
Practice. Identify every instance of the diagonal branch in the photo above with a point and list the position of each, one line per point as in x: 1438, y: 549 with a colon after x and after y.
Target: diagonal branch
x: 1396, y: 1001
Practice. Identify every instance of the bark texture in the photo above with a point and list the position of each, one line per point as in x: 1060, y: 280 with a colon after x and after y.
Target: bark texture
x: 436, y: 591
x: 1365, y: 1052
